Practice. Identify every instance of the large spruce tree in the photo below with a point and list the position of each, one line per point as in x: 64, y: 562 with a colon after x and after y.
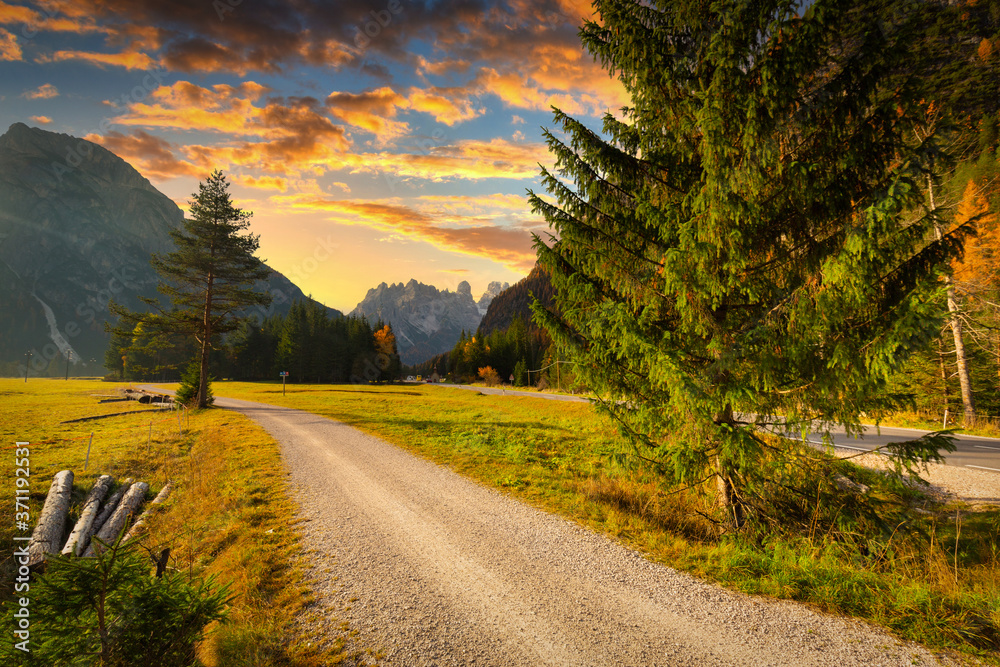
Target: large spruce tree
x: 208, y: 279
x: 749, y: 243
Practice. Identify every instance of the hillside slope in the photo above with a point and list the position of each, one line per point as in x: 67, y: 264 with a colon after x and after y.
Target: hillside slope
x: 77, y: 228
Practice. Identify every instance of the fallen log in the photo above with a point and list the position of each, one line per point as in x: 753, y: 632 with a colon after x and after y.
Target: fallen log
x: 139, y: 527
x: 48, y: 534
x: 110, y: 506
x: 126, y: 510
x: 78, y: 539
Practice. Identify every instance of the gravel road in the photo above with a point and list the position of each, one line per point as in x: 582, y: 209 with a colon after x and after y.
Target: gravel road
x: 433, y: 569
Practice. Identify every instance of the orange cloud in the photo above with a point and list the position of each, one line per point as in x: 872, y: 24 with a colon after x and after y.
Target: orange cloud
x: 152, y: 156
x: 187, y: 94
x: 265, y: 183
x: 9, y: 48
x: 130, y: 60
x: 444, y: 105
x: 16, y: 14
x: 441, y: 67
x: 469, y: 159
x: 44, y: 92
x: 580, y: 89
x: 370, y: 110
x: 184, y: 106
x: 509, y: 246
x: 288, y: 133
x: 373, y: 110
x: 33, y: 22
x: 296, y: 153
x: 41, y: 120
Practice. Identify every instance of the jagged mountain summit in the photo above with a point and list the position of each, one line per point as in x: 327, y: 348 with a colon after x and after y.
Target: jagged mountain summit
x: 492, y: 291
x: 77, y: 227
x: 426, y: 320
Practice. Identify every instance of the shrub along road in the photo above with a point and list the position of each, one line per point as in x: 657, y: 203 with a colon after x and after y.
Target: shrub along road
x: 437, y: 570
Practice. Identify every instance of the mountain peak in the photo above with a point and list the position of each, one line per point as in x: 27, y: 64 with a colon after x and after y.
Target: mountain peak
x: 427, y: 321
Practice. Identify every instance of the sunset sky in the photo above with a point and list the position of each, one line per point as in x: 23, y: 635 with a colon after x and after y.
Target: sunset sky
x: 374, y: 141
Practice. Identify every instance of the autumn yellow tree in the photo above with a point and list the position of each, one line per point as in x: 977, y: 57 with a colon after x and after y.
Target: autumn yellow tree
x: 977, y: 275
x: 489, y: 376
x: 387, y: 356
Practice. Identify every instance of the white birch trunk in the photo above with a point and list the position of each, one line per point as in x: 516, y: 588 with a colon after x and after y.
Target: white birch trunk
x: 968, y: 402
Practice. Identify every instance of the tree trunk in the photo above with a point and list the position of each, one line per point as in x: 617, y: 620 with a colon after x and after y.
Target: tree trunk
x: 48, y: 534
x: 955, y: 322
x: 944, y: 377
x: 968, y: 401
x: 78, y: 539
x: 110, y: 506
x: 126, y: 510
x: 728, y: 500
x: 206, y: 345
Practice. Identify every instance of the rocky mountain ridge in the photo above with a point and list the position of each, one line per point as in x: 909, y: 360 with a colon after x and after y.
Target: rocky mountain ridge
x: 426, y: 320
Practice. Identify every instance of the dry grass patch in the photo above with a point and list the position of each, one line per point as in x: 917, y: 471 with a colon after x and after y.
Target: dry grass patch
x: 230, y: 513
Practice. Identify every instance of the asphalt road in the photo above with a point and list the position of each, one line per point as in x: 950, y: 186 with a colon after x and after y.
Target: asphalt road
x: 971, y: 450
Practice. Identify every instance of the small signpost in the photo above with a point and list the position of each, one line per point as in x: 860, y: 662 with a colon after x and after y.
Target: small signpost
x: 283, y: 375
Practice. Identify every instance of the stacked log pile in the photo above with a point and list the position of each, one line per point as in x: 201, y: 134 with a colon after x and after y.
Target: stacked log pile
x: 99, y: 519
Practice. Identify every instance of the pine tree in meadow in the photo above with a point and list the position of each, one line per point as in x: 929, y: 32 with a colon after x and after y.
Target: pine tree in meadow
x: 748, y: 244
x: 208, y: 279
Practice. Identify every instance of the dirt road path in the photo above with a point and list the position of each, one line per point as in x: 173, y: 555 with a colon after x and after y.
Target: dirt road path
x: 437, y: 570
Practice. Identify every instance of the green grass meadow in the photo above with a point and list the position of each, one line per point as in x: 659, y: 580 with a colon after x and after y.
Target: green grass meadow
x: 229, y: 515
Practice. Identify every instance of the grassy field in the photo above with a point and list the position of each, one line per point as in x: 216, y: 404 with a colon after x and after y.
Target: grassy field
x: 937, y: 583
x: 230, y: 513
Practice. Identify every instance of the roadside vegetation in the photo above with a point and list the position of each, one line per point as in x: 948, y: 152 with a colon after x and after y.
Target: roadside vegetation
x: 229, y: 519
x: 928, y: 421
x: 891, y: 555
